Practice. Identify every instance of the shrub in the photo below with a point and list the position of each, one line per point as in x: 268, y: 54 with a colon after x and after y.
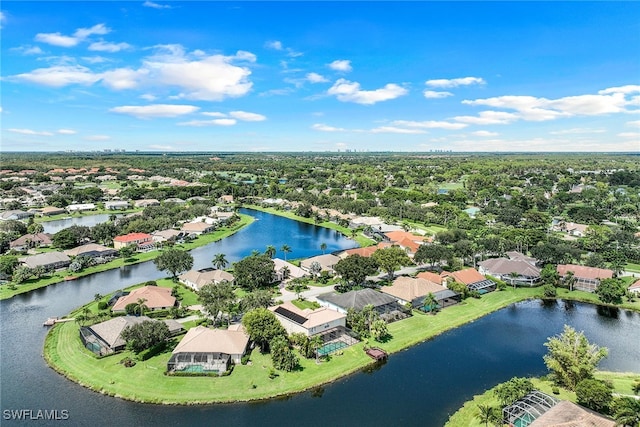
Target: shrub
x: 594, y: 394
x: 150, y: 283
x: 549, y: 291
x: 128, y: 362
x: 102, y: 305
x: 245, y: 359
x: 153, y: 351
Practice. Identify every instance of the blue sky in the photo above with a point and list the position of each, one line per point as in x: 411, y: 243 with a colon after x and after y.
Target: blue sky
x: 320, y: 76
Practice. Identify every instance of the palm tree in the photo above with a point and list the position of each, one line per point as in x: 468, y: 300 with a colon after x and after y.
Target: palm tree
x: 513, y: 276
x: 285, y: 249
x: 220, y: 261
x: 570, y: 279
x: 97, y: 297
x: 316, y: 342
x: 323, y: 247
x: 271, y: 251
x: 485, y: 414
x: 141, y: 307
x: 430, y: 302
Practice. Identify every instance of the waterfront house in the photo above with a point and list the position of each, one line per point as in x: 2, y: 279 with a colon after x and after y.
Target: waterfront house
x: 585, y: 278
x: 15, y: 214
x: 517, y: 268
x: 105, y: 337
x: 51, y: 210
x: 414, y: 290
x: 116, y: 205
x: 29, y: 241
x: 284, y: 270
x: 92, y: 250
x: 386, y: 305
x: 167, y: 235
x: 327, y: 262
x: 141, y: 240
x: 366, y: 252
x: 146, y: 202
x: 196, y: 279
x: 307, y: 321
x: 197, y: 228
x: 48, y: 260
x: 204, y: 350
x: 470, y: 277
x: 80, y: 207
x: 155, y: 298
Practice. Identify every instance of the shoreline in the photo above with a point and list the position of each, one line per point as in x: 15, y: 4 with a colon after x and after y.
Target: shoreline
x: 59, y: 277
x: 246, y: 384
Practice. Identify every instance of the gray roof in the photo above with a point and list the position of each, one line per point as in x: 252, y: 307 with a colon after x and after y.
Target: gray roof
x: 45, y: 259
x: 109, y: 331
x: 448, y: 293
x: 357, y: 299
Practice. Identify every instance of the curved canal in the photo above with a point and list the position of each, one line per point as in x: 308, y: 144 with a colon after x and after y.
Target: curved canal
x: 420, y: 386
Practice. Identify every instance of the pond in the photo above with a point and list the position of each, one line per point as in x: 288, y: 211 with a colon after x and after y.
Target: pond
x: 60, y: 224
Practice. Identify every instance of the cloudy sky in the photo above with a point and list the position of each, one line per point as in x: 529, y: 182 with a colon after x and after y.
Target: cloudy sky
x: 320, y: 76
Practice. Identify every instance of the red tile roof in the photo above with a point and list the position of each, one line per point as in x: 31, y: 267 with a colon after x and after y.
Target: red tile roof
x: 466, y: 276
x: 132, y: 237
x: 583, y: 272
x: 433, y: 277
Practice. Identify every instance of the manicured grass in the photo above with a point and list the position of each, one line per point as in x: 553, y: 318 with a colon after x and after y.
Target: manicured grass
x: 84, y: 213
x: 466, y: 416
x: 429, y: 229
x: 302, y: 304
x: 6, y: 292
x: 632, y: 268
x: 360, y: 238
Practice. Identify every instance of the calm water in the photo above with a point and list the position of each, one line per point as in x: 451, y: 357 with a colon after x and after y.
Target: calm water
x: 60, y: 224
x: 420, y: 386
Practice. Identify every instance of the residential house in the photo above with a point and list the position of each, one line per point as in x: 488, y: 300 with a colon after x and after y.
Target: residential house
x: 225, y: 198
x: 29, y: 241
x: 470, y: 277
x: 146, y: 202
x: 51, y: 210
x: 48, y: 260
x: 209, y: 350
x: 414, y: 290
x: 167, y: 235
x: 307, y: 321
x: 518, y: 268
x: 155, y: 298
x: 116, y: 205
x: 80, y: 207
x: 571, y: 228
x: 222, y: 217
x: 106, y: 337
x: 284, y: 270
x: 92, y: 250
x: 15, y: 214
x: 197, y: 228
x: 407, y: 241
x: 196, y: 279
x: 386, y: 305
x: 367, y: 251
x: 175, y: 200
x: 586, y: 278
x: 327, y: 262
x: 635, y: 287
x: 140, y: 240
x: 430, y: 276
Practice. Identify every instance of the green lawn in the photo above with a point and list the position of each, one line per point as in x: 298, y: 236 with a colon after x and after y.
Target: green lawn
x: 302, y: 304
x: 632, y: 268
x: 6, y: 292
x: 466, y: 416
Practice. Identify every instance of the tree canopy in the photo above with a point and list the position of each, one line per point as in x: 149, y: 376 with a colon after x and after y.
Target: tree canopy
x: 254, y: 272
x: 392, y: 258
x: 262, y: 326
x: 145, y: 335
x: 174, y: 261
x: 355, y: 268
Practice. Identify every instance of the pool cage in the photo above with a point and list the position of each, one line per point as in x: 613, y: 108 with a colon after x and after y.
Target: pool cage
x: 526, y: 410
x: 199, y: 362
x: 336, y: 339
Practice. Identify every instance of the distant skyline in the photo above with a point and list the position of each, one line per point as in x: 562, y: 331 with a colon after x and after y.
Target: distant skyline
x: 320, y: 76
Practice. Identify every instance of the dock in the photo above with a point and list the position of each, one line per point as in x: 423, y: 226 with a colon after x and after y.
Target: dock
x: 53, y: 320
x: 376, y: 353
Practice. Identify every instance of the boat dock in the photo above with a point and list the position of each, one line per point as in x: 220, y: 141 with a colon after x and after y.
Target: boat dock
x: 376, y: 353
x: 53, y: 320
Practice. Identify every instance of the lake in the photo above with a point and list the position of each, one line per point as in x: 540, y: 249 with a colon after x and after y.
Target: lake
x: 419, y: 386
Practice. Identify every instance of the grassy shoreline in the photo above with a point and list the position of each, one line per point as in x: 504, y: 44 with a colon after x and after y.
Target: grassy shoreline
x: 147, y: 383
x: 138, y: 258
x: 466, y: 415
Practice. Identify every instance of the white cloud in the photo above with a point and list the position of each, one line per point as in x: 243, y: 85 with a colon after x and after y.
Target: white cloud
x: 156, y: 5
x: 576, y: 131
x: 123, y: 78
x: 343, y: 65
x: 447, y: 83
x: 274, y: 44
x: 629, y: 134
x: 103, y: 46
x: 95, y: 59
x: 429, y: 124
x: 156, y: 110
x: 3, y: 18
x: 59, y: 76
x: 433, y: 94
x: 484, y: 133
x: 393, y: 129
x: 66, y: 131
x: 98, y: 29
x: 247, y: 117
x: 347, y: 91
x: 57, y: 39
x: 316, y: 78
x: 28, y: 50
x: 325, y: 128
x: 213, y: 114
x: 635, y: 123
x: 148, y: 97
x: 620, y: 89
x: 97, y: 138
x: 214, y: 122
x: 488, y: 118
x: 30, y: 132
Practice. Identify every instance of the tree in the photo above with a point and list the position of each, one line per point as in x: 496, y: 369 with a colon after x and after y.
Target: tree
x: 126, y: 251
x: 378, y: 329
x: 220, y: 261
x: 355, y: 268
x: 594, y: 394
x: 570, y: 279
x: 145, y: 335
x: 104, y: 232
x: 549, y: 275
x: 137, y: 308
x: 626, y: 411
x: 430, y: 303
x: 270, y: 251
x: 174, y: 261
x: 281, y: 354
x: 488, y: 414
x: 514, y: 389
x: 315, y: 268
x: 323, y: 247
x: 217, y: 298
x: 8, y: 264
x: 285, y: 249
x: 571, y: 358
x: 611, y: 291
x: 262, y: 326
x: 35, y: 228
x: 254, y: 272
x: 390, y: 259
x: 433, y: 253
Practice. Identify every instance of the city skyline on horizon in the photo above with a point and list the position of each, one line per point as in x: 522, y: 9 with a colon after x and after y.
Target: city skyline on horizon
x: 321, y: 77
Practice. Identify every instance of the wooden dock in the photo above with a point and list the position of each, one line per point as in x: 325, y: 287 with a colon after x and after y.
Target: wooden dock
x: 53, y: 320
x: 376, y: 353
